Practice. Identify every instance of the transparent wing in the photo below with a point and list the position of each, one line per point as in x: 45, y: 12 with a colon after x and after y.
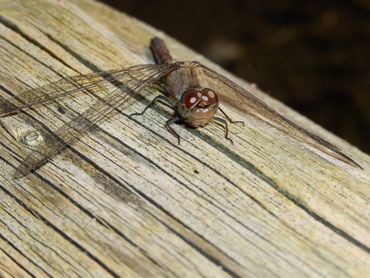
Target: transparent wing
x: 129, y: 81
x: 245, y: 101
x: 72, y: 86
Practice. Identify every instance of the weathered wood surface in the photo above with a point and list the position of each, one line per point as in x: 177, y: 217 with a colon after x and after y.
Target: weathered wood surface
x: 126, y: 200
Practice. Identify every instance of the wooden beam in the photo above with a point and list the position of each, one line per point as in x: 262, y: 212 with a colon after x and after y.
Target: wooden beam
x: 126, y: 200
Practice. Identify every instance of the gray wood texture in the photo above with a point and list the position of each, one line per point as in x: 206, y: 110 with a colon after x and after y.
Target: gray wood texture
x: 127, y: 201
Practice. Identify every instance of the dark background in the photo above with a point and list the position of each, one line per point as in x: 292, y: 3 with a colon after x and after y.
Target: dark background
x: 312, y: 55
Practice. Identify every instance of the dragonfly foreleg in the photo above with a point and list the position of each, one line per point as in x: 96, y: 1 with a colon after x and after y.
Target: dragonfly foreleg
x: 229, y: 119
x: 171, y: 130
x: 222, y: 122
x: 161, y: 99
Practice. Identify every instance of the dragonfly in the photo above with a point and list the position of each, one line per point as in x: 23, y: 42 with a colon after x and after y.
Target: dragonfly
x: 192, y: 90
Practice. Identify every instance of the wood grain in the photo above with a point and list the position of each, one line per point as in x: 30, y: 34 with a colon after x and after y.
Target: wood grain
x: 127, y: 201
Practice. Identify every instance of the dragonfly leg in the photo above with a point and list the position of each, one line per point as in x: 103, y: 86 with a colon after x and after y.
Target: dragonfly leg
x: 229, y: 119
x: 162, y: 99
x: 222, y: 122
x: 171, y: 130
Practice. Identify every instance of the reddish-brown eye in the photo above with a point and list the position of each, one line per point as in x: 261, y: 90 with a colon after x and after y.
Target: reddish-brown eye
x: 191, y: 97
x: 209, y: 96
x: 198, y: 106
x: 201, y: 98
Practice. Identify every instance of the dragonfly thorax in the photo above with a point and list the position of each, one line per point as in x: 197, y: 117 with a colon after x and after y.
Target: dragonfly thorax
x: 197, y: 106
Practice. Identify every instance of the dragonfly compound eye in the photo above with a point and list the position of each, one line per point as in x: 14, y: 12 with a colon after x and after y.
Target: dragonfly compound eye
x: 197, y: 106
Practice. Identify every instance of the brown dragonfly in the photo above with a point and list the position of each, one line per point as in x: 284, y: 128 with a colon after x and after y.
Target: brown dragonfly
x: 193, y: 91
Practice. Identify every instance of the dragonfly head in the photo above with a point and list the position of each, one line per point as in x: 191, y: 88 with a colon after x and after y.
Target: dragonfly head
x: 197, y: 106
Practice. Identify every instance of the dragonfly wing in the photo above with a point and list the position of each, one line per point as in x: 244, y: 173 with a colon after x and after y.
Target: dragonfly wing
x: 69, y: 87
x: 133, y: 81
x: 243, y: 100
